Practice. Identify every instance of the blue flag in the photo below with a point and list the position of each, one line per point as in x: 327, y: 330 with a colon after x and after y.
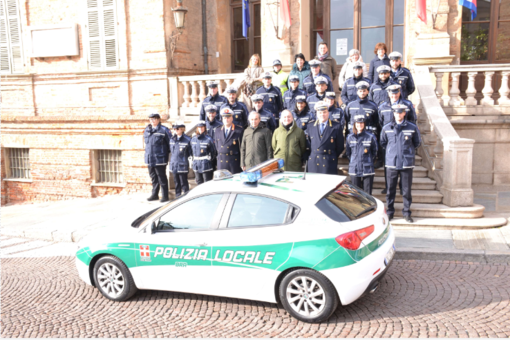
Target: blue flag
x: 246, y: 18
x: 472, y: 5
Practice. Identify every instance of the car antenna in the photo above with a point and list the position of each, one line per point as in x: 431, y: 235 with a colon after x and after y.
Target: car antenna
x: 304, y: 175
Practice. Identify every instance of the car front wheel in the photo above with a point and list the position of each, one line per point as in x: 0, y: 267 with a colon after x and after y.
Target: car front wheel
x: 308, y: 295
x: 113, y: 279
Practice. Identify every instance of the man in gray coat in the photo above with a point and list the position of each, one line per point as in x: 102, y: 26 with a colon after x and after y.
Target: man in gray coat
x: 256, y: 145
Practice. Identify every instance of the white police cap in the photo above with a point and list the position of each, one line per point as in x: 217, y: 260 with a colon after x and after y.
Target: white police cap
x: 331, y: 95
x: 393, y: 88
x: 359, y: 119
x: 267, y: 75
x: 293, y: 78
x: 314, y: 62
x: 178, y: 124
x: 395, y: 55
x: 358, y: 64
x: 212, y: 83
x: 231, y: 89
x: 362, y: 85
x: 320, y: 80
x: 383, y: 68
x: 321, y: 106
x: 277, y: 62
x: 399, y: 108
x: 301, y: 99
x: 201, y: 123
x: 226, y: 112
x: 211, y: 108
x: 257, y: 97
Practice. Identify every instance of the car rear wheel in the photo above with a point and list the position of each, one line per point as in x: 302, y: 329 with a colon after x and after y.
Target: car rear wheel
x: 113, y: 279
x: 308, y: 295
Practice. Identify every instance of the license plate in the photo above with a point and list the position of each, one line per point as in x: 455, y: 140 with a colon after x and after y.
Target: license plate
x: 389, y: 255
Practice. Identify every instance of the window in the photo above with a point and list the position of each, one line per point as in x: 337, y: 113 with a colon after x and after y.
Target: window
x: 18, y: 163
x: 244, y: 48
x: 486, y: 39
x: 197, y: 213
x: 102, y: 34
x: 11, y: 50
x: 109, y: 166
x: 251, y: 211
x: 359, y: 24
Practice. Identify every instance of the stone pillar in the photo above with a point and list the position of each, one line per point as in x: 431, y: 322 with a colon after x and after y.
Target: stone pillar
x: 457, y: 160
x: 274, y: 47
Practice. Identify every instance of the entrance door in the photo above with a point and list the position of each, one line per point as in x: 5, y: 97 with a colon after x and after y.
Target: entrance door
x: 243, y: 48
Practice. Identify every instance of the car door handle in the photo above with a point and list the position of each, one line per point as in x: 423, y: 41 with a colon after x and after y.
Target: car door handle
x: 201, y: 245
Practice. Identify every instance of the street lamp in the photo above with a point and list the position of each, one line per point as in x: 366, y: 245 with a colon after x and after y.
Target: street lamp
x: 179, y: 16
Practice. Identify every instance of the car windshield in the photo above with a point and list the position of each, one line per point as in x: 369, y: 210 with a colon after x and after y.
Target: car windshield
x: 148, y: 215
x: 346, y: 203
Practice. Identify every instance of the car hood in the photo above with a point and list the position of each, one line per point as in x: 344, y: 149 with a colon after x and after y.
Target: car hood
x: 109, y: 234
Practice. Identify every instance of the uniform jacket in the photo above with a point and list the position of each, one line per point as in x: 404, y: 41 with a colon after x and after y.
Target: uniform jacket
x: 309, y: 83
x: 211, y: 126
x: 349, y: 90
x: 303, y: 118
x: 361, y: 150
x: 289, y: 98
x: 337, y: 115
x: 346, y: 71
x: 366, y: 108
x: 180, y: 150
x: 280, y: 80
x: 256, y: 146
x: 374, y: 64
x: 400, y: 142
x: 404, y: 78
x: 157, y: 145
x: 378, y: 93
x: 204, y: 152
x: 273, y: 101
x: 325, y: 149
x: 267, y: 118
x: 290, y: 146
x: 314, y: 98
x: 305, y: 71
x: 229, y: 148
x: 240, y: 113
x: 386, y: 113
x: 217, y: 100
x: 328, y: 66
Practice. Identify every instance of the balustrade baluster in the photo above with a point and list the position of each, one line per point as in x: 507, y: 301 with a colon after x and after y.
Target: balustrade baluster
x: 439, y: 87
x: 471, y: 90
x: 504, y: 90
x: 186, y: 96
x: 455, y: 99
x: 220, y: 86
x: 229, y: 82
x: 487, y: 90
x: 194, y: 94
x: 203, y: 91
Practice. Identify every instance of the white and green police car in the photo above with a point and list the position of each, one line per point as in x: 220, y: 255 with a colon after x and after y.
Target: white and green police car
x: 307, y: 241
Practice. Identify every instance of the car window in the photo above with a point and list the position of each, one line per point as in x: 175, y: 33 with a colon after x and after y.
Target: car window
x: 251, y: 210
x: 197, y: 213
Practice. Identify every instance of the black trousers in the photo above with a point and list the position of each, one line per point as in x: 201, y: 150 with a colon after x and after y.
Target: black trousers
x: 366, y: 182
x: 407, y: 180
x: 386, y: 180
x: 181, y: 183
x: 203, y: 177
x: 159, y: 180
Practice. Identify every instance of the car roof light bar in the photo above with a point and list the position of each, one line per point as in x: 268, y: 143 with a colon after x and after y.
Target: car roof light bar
x: 253, y: 175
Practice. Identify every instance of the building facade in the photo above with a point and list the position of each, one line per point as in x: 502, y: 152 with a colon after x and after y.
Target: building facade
x: 80, y: 77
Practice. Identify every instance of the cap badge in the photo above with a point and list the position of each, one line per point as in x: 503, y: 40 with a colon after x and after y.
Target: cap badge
x: 366, y: 151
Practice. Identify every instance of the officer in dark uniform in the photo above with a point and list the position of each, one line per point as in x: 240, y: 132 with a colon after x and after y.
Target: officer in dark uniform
x: 302, y: 114
x: 349, y: 90
x: 401, y: 75
x: 180, y: 150
x: 309, y: 81
x: 157, y: 147
x: 386, y: 112
x: 266, y: 117
x: 326, y: 142
x: 239, y: 108
x: 212, y: 122
x: 289, y: 97
x: 361, y: 149
x: 378, y: 93
x: 336, y: 114
x: 400, y: 139
x: 364, y: 106
x: 213, y: 98
x: 321, y: 85
x: 204, y: 152
x: 273, y: 100
x: 228, y: 142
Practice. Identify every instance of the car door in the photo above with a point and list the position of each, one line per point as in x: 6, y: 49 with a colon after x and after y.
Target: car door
x: 250, y: 245
x: 176, y: 255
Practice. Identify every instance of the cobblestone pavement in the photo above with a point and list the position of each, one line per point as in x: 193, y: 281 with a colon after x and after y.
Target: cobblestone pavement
x: 43, y: 297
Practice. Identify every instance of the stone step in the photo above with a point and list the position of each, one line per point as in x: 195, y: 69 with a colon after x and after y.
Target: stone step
x: 345, y: 161
x: 441, y: 211
x: 418, y: 172
x: 424, y: 183
x: 449, y: 223
x: 419, y: 196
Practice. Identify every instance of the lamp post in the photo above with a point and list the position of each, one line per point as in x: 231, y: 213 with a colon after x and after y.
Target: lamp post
x: 179, y: 16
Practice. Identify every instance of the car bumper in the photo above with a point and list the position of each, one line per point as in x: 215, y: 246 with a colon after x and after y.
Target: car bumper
x: 353, y: 281
x: 83, y: 271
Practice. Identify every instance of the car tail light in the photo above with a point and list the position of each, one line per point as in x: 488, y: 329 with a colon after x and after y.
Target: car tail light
x: 352, y: 240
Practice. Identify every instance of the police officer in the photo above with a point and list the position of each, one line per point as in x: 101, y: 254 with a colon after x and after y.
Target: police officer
x: 212, y: 122
x: 400, y: 139
x: 204, y: 152
x: 385, y: 111
x: 279, y: 78
x: 363, y: 106
x: 266, y: 117
x: 361, y: 149
x: 349, y: 90
x: 157, y: 147
x: 401, y: 75
x: 321, y: 85
x: 289, y: 97
x: 228, y: 140
x: 336, y: 114
x: 213, y: 98
x: 301, y: 113
x: 378, y: 93
x: 239, y: 108
x: 326, y: 142
x: 309, y: 82
x: 180, y: 150
x: 273, y: 101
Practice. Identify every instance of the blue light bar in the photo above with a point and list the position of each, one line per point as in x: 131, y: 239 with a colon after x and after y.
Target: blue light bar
x: 253, y: 175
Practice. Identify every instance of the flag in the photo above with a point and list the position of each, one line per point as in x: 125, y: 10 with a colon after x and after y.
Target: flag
x: 285, y: 13
x: 246, y: 17
x: 471, y: 4
x: 421, y: 10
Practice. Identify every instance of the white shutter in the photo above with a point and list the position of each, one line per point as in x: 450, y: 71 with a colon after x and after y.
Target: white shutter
x: 4, y: 44
x: 14, y: 24
x: 102, y: 28
x: 110, y: 33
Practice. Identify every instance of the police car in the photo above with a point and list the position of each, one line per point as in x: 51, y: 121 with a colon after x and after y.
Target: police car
x: 307, y: 241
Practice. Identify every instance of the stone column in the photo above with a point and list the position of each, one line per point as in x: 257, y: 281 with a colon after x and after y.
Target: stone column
x: 457, y: 160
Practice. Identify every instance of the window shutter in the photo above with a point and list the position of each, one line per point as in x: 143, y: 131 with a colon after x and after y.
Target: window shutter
x: 102, y: 28
x: 4, y: 45
x: 14, y: 24
x: 110, y: 33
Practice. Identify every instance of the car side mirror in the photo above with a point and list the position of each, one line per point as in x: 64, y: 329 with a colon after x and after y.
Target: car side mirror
x: 153, y: 228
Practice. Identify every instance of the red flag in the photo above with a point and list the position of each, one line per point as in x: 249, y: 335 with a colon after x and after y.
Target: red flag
x: 421, y: 10
x: 285, y: 13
